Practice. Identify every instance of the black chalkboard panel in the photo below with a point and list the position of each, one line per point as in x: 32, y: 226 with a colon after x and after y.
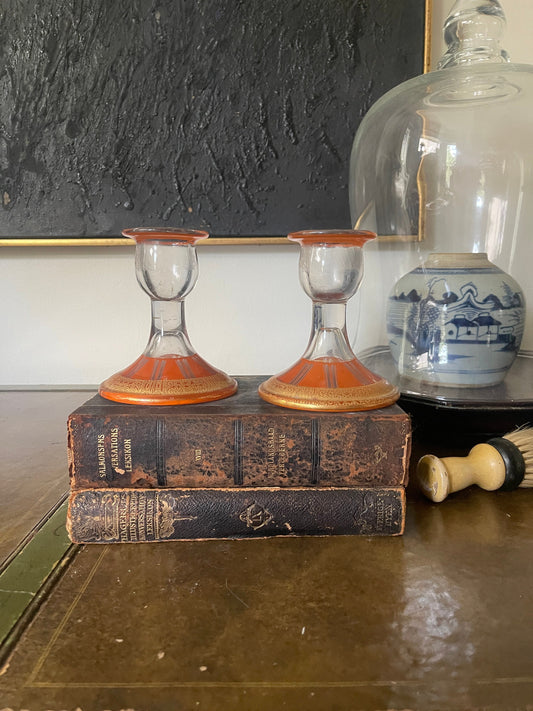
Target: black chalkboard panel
x: 236, y: 116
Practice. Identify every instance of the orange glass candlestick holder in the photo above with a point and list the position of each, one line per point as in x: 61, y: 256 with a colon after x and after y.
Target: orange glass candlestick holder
x: 169, y: 372
x: 328, y: 376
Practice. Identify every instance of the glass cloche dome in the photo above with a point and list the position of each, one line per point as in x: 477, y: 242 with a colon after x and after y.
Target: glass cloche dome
x: 442, y: 169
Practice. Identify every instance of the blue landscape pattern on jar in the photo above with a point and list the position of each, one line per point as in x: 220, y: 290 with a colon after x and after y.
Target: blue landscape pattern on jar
x: 456, y: 326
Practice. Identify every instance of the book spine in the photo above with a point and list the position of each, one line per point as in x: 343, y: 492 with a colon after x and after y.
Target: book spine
x: 147, y: 515
x: 123, y: 451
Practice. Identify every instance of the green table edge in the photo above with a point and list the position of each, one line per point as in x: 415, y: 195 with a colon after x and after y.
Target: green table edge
x: 31, y: 569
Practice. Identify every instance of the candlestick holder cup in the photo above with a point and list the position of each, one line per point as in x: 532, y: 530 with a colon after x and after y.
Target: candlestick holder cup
x: 328, y: 376
x: 169, y: 371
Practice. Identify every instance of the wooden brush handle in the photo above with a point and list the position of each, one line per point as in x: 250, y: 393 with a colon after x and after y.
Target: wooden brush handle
x: 483, y: 466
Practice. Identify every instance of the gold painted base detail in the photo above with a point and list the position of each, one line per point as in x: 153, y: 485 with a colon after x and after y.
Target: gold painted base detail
x: 299, y: 397
x: 168, y: 392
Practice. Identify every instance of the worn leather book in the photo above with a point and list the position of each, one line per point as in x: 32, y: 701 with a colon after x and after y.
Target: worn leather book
x: 239, y: 441
x: 143, y: 515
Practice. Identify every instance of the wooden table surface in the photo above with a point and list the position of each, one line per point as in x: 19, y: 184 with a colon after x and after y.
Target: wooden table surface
x: 33, y: 453
x: 440, y: 618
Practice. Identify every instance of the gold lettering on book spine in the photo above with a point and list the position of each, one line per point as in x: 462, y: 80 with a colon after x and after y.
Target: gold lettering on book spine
x: 271, y: 451
x: 123, y: 506
x: 134, y: 516
x: 380, y: 515
x: 282, y: 454
x: 141, y: 517
x: 371, y: 516
x: 128, y: 458
x: 114, y: 448
x: 101, y: 455
x: 151, y: 518
x: 277, y: 455
x: 389, y: 517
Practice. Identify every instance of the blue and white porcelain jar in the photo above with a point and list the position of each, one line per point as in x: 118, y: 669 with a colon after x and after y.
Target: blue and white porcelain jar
x: 457, y: 320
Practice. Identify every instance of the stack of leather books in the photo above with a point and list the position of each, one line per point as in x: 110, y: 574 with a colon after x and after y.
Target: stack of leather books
x: 234, y: 468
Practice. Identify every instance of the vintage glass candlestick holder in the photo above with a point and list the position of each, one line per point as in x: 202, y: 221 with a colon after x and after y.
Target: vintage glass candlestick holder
x: 169, y: 372
x: 328, y: 376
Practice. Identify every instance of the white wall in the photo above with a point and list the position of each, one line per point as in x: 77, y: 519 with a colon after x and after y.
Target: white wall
x: 74, y: 315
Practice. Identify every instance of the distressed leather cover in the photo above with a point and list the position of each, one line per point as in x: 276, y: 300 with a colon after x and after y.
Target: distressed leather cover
x: 141, y: 515
x: 239, y: 441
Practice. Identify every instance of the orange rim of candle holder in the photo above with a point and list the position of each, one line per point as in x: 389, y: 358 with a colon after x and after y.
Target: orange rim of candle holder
x: 342, y: 238
x: 169, y: 235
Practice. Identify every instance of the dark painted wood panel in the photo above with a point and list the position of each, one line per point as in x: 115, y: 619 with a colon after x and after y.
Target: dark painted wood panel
x: 231, y: 115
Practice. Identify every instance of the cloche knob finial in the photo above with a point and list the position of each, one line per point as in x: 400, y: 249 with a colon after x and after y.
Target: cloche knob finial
x: 472, y: 32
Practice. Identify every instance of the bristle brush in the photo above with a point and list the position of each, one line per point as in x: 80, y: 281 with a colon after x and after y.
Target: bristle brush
x: 502, y: 463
